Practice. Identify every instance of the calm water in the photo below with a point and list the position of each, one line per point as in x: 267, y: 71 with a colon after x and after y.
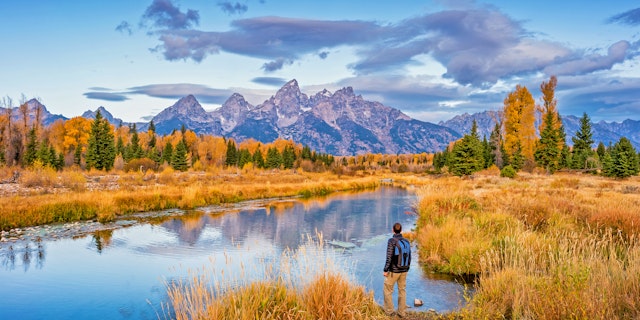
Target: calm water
x: 121, y: 274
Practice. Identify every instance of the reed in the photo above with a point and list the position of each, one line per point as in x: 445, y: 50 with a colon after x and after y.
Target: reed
x: 303, y: 284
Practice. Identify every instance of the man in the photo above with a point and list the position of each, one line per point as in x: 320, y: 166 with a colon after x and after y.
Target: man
x: 395, y: 270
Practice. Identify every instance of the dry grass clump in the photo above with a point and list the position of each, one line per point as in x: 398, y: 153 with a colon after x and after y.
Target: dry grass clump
x: 543, y: 247
x: 305, y: 284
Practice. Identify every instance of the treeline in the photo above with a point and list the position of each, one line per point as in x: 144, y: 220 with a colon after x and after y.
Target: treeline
x: 516, y: 144
x: 87, y: 144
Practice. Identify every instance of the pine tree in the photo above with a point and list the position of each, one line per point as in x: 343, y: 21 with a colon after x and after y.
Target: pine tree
x: 133, y: 149
x: 258, y: 158
x: 288, y: 157
x: 467, y: 155
x: 179, y: 157
x: 30, y: 154
x: 274, y: 158
x: 232, y: 154
x: 582, y: 154
x: 101, y: 151
x: 624, y: 160
x: 548, y: 152
x: 244, y: 157
x: 167, y: 153
x: 152, y: 135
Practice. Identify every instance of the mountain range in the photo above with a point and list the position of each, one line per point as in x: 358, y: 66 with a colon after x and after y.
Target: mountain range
x: 339, y: 123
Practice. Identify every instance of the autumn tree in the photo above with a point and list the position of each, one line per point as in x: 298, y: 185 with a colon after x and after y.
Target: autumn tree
x: 76, y: 137
x: 519, y: 127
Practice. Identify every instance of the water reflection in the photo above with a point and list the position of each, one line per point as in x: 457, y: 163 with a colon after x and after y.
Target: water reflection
x: 26, y: 251
x: 119, y: 270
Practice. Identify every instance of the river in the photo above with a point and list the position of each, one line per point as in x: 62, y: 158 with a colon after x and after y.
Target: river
x: 120, y: 272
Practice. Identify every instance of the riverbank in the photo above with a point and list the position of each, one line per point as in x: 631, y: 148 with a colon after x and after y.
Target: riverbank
x: 38, y: 199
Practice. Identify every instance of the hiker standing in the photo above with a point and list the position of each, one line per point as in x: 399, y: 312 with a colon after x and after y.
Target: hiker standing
x: 395, y: 270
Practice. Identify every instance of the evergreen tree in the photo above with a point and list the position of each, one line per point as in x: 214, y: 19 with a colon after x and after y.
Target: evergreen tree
x: 582, y: 143
x: 467, y: 155
x: 623, y: 160
x: 167, y: 153
x: 120, y: 147
x: 601, y: 150
x: 258, y: 158
x: 288, y: 157
x: 152, y: 135
x: 30, y: 154
x: 101, y: 151
x: 232, y: 154
x: 274, y: 158
x: 547, y: 152
x: 489, y: 159
x: 179, y: 157
x: 133, y: 150
x: 244, y: 157
x: 306, y: 152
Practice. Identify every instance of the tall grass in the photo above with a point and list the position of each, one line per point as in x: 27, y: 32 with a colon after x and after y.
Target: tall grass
x: 302, y: 284
x: 543, y: 247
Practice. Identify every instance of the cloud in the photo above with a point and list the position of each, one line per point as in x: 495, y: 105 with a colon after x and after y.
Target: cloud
x: 603, y: 99
x: 233, y: 8
x: 124, y: 27
x: 276, y: 64
x: 477, y: 46
x: 163, y: 14
x: 270, y: 81
x: 588, y: 63
x: 631, y: 17
x: 105, y: 96
x: 272, y: 38
x: 176, y: 91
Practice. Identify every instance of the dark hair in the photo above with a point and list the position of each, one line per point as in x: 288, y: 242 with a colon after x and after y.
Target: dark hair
x: 397, y: 227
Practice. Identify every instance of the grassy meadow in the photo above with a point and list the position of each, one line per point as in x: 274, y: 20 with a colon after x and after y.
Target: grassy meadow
x: 541, y: 247
x: 563, y: 246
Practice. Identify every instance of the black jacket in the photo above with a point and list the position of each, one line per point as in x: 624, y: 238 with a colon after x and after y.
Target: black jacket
x: 391, y: 263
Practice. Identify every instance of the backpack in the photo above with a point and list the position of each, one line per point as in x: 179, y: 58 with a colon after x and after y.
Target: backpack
x: 403, y: 251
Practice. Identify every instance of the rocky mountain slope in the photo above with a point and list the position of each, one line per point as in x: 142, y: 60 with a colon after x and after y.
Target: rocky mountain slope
x: 340, y: 123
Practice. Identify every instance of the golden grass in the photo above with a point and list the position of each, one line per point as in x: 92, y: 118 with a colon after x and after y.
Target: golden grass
x: 105, y: 197
x: 544, y: 247
x: 304, y: 284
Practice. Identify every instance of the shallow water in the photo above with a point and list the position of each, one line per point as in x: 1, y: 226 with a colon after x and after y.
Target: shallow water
x: 121, y: 272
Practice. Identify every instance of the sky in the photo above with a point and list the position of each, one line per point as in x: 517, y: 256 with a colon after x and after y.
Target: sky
x: 432, y: 59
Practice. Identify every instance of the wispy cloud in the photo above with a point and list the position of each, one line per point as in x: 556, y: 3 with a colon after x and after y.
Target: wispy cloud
x: 270, y: 81
x: 631, y: 17
x: 164, y: 14
x: 178, y: 90
x: 124, y: 27
x: 105, y: 96
x: 233, y: 8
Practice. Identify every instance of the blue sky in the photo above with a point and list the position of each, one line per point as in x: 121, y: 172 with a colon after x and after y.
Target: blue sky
x: 431, y: 59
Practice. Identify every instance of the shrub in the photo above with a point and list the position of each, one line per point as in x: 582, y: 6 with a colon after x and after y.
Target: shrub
x: 142, y: 164
x: 508, y: 172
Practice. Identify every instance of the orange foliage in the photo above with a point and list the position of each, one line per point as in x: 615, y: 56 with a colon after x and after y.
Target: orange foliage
x: 519, y: 122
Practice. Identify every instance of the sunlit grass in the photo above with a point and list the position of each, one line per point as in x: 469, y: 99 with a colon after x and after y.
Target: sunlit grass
x: 306, y: 283
x: 544, y: 247
x: 72, y: 196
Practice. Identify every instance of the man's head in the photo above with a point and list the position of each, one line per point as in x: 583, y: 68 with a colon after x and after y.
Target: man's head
x: 397, y: 228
